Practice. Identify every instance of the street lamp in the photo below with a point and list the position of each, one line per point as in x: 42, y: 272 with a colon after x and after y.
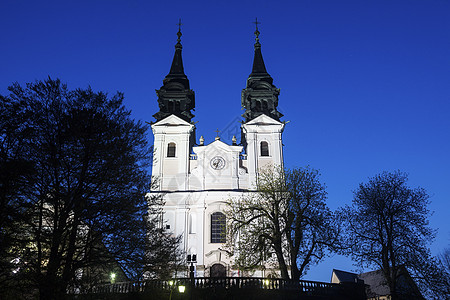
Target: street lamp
x: 191, y: 259
x: 173, y: 286
x: 112, y: 276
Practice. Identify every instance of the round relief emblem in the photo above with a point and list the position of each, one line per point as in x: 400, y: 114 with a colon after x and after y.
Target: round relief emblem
x: 217, y: 163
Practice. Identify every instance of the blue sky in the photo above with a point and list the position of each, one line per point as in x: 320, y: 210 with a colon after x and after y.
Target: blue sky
x: 364, y: 84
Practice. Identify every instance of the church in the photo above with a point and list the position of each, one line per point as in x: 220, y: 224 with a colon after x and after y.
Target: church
x: 197, y: 179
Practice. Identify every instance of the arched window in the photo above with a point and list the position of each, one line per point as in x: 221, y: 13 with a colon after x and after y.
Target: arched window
x: 171, y: 149
x: 218, y: 228
x: 264, y: 149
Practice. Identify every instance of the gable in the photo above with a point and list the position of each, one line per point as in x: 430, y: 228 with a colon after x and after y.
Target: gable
x: 263, y: 120
x: 172, y: 120
x: 339, y: 276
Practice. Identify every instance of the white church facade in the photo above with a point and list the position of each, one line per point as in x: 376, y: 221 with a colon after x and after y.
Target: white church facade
x: 195, y: 179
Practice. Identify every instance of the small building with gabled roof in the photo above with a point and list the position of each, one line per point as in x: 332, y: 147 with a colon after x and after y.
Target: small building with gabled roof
x: 376, y: 285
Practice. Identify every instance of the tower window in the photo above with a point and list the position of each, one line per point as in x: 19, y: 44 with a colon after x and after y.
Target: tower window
x: 170, y: 106
x: 171, y: 149
x: 264, y: 149
x: 218, y: 228
x: 264, y: 106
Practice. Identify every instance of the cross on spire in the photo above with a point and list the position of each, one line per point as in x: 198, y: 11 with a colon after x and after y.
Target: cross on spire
x: 179, y: 31
x: 256, y: 23
x: 179, y: 25
x: 256, y: 31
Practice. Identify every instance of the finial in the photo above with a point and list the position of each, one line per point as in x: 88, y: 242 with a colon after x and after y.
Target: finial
x: 179, y: 34
x: 257, y: 31
x: 234, y: 140
x: 202, y: 141
x: 217, y: 137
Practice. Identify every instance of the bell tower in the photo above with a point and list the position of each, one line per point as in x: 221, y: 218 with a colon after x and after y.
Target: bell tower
x: 175, y: 97
x: 173, y: 131
x: 260, y: 96
x: 262, y: 129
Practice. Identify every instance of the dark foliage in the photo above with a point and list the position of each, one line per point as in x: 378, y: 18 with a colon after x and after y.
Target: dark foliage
x: 387, y: 228
x: 444, y: 261
x: 73, y: 189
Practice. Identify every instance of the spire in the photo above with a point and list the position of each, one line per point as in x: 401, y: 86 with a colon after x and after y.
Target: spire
x: 175, y: 96
x: 260, y: 96
x: 176, y: 72
x: 259, y: 68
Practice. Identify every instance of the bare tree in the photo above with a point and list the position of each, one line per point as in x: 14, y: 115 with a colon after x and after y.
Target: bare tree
x: 287, y: 216
x: 432, y: 276
x: 387, y: 227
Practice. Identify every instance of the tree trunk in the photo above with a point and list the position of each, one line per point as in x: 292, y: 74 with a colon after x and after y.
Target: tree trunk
x: 282, y: 263
x: 295, y: 272
x: 283, y: 266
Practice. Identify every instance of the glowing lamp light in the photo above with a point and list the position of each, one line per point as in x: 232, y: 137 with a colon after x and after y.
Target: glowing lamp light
x: 181, y: 288
x: 113, y: 277
x: 171, y: 282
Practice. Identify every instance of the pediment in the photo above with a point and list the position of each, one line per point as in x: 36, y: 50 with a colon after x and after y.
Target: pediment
x: 263, y: 120
x: 172, y: 120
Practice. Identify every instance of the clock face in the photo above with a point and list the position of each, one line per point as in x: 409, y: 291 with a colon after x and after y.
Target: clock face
x: 217, y: 163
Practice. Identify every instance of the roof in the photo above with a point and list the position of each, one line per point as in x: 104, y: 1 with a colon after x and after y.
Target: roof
x: 344, y: 276
x: 376, y: 284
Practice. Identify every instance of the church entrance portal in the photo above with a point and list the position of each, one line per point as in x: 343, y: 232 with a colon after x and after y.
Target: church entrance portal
x: 218, y: 270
